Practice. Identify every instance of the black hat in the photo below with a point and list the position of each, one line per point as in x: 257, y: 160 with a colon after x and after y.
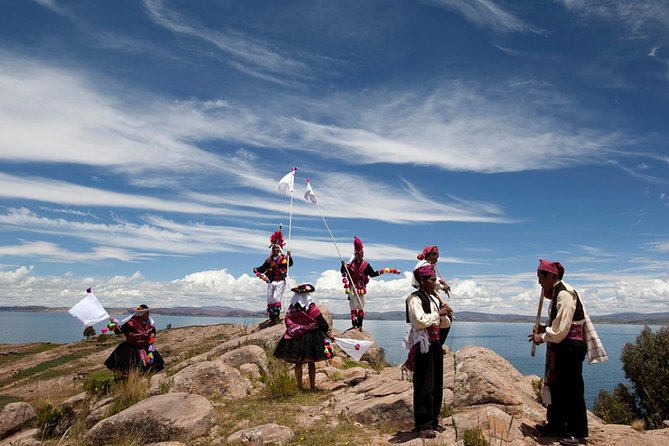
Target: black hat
x: 304, y: 288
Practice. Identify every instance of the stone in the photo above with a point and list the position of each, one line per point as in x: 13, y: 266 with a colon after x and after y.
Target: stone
x: 212, y: 379
x: 249, y: 354
x: 263, y: 435
x: 383, y: 398
x: 14, y: 416
x: 23, y: 438
x: 250, y: 371
x: 484, y: 377
x: 169, y: 417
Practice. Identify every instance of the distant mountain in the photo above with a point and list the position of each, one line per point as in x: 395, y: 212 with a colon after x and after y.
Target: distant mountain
x: 464, y: 316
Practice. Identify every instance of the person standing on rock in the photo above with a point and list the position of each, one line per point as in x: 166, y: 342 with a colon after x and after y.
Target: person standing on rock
x: 137, y: 352
x: 430, y: 256
x: 356, y: 276
x: 565, y: 351
x: 307, y: 336
x: 425, y: 354
x: 274, y: 271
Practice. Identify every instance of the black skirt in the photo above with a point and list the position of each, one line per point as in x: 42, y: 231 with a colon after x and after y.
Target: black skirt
x: 310, y: 347
x: 126, y: 357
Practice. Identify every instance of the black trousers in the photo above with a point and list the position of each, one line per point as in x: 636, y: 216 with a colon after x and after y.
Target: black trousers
x: 428, y: 387
x: 443, y: 334
x: 567, y: 414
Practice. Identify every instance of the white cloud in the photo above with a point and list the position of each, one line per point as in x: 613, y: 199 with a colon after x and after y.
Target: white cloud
x: 51, y: 252
x: 455, y: 127
x: 248, y: 54
x: 487, y: 14
x: 60, y: 116
x: 499, y: 294
x: 641, y: 17
x: 659, y: 246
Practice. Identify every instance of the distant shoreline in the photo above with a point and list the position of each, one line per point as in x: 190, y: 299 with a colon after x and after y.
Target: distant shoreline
x: 661, y: 318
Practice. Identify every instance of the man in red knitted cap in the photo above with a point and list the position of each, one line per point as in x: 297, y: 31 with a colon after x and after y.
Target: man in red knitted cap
x: 425, y: 355
x: 430, y: 256
x: 565, y: 351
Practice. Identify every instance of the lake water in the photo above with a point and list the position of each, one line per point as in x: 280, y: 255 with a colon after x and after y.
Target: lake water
x: 507, y: 339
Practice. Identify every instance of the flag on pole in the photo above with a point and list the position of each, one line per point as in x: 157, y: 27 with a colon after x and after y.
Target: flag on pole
x: 355, y: 348
x: 89, y: 311
x: 309, y: 194
x: 286, y: 184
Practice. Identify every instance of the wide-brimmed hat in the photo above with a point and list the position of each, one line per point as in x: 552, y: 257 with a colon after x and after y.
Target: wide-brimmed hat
x: 304, y: 288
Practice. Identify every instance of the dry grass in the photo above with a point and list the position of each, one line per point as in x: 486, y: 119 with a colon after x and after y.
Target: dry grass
x: 128, y: 392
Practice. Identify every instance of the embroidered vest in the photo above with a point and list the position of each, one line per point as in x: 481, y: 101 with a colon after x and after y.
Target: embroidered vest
x: 360, y: 279
x: 277, y: 268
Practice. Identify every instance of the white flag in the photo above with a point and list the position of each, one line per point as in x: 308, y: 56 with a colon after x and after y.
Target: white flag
x: 309, y: 194
x: 286, y: 184
x: 354, y: 347
x: 89, y: 311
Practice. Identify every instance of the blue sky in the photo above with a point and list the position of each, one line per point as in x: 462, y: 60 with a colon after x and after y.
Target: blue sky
x: 142, y: 144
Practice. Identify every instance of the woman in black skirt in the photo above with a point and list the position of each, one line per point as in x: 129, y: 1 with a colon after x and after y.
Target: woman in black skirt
x: 307, y: 335
x: 137, y: 352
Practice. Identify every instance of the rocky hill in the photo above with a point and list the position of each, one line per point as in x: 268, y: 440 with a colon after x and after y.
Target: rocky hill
x: 221, y: 386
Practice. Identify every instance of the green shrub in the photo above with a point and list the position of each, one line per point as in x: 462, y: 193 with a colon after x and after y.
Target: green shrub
x: 280, y: 381
x: 618, y: 407
x: 54, y: 421
x: 474, y: 437
x: 646, y: 365
x: 99, y: 382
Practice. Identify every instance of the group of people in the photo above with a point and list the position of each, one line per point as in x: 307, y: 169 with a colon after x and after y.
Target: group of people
x: 430, y: 318
x: 307, y: 337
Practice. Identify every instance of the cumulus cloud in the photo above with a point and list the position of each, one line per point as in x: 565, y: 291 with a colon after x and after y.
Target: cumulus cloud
x: 498, y: 294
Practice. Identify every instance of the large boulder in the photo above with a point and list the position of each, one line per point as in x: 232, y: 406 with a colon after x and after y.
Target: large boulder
x: 380, y: 399
x: 14, y: 416
x: 265, y: 434
x: 23, y: 438
x: 168, y: 417
x: 212, y: 379
x: 484, y: 377
x: 248, y: 354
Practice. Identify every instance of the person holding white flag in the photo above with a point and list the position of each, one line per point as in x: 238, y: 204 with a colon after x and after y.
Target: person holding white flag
x: 137, y: 352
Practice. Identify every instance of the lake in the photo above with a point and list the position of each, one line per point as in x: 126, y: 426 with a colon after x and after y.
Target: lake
x: 507, y: 339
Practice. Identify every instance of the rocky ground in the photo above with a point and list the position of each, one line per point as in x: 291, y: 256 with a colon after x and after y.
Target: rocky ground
x: 217, y: 389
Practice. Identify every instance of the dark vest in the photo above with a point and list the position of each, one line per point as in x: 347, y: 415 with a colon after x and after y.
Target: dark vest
x: 424, y: 301
x: 579, y: 314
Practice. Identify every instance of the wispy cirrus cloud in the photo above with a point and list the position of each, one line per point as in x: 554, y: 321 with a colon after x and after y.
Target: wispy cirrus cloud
x: 487, y: 14
x: 249, y: 55
x: 455, y: 127
x: 158, y: 236
x: 452, y: 127
x: 643, y: 18
x: 52, y: 252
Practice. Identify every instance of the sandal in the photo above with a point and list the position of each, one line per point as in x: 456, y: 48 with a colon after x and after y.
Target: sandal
x: 427, y: 433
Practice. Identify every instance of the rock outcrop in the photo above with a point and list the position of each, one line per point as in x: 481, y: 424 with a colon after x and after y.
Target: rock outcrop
x: 265, y: 434
x: 212, y: 379
x: 169, y: 417
x: 14, y: 416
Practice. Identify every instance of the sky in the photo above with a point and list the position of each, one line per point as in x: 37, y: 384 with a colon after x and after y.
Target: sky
x: 142, y: 142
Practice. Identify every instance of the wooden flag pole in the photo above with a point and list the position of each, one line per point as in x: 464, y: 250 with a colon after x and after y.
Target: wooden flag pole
x: 537, y: 322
